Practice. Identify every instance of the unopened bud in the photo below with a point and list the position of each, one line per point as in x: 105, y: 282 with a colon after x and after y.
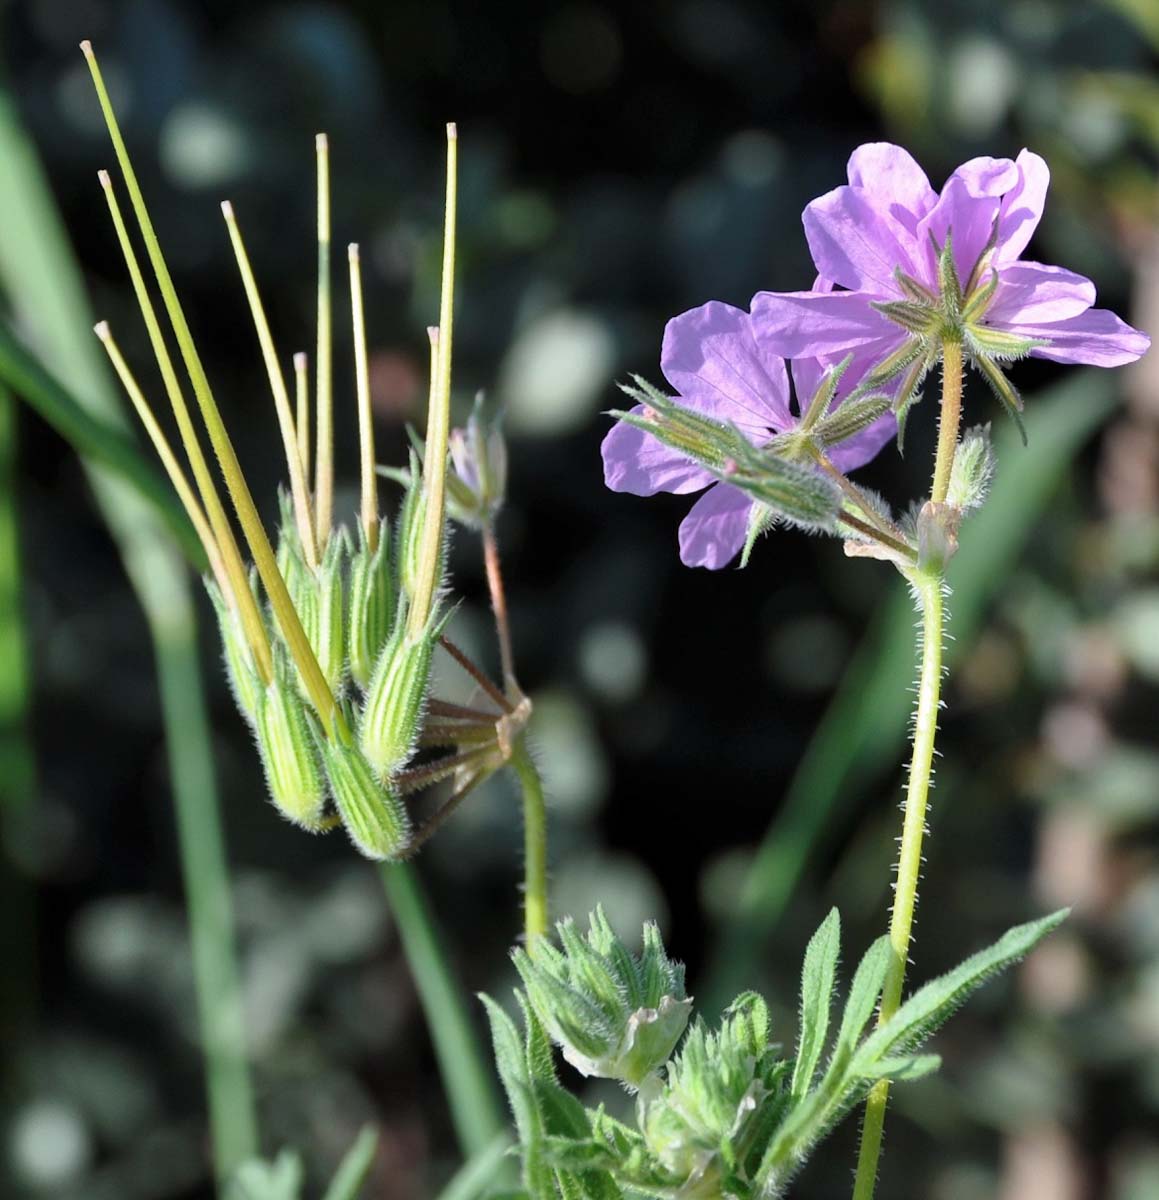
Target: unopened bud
x: 478, y: 484
x: 372, y: 603
x: 289, y: 753
x: 374, y: 817
x: 396, y: 697
x: 614, y: 1015
x: 972, y: 470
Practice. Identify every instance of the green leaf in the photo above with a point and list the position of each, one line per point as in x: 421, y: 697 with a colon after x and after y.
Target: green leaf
x: 912, y: 317
x: 95, y: 439
x: 864, y: 991
x: 818, y: 975
x: 474, y: 1178
x: 517, y: 1082
x: 351, y: 1173
x: 904, y: 1069
x: 931, y: 1006
x: 1006, y: 392
x: 851, y: 418
x: 972, y: 471
x: 261, y: 1180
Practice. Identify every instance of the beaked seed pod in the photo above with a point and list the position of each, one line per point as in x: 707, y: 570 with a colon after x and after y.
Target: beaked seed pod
x: 326, y: 628
x: 374, y: 817
x: 396, y: 696
x: 410, y: 529
x: 239, y: 663
x: 371, y: 604
x: 289, y: 752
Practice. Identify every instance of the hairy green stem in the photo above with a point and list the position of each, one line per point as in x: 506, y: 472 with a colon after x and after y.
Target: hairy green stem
x: 535, y: 902
x: 949, y: 419
x: 929, y: 588
x: 466, y: 1073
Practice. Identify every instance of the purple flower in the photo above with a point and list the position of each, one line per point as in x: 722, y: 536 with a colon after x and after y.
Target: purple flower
x: 719, y: 367
x: 887, y: 220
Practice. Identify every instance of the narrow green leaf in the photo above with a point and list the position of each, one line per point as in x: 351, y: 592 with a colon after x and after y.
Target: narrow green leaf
x: 94, y: 438
x: 914, y: 318
x: 851, y: 418
x: 1006, y: 392
x: 475, y: 1177
x: 258, y: 1179
x: 904, y: 1069
x: 949, y: 284
x: 513, y: 1071
x: 931, y: 1006
x: 864, y: 991
x: 351, y: 1173
x: 818, y: 975
x: 995, y: 343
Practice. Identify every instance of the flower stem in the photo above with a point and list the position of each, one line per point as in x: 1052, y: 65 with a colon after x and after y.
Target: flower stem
x: 929, y: 590
x: 949, y: 419
x: 499, y: 606
x: 535, y: 907
x: 466, y: 1074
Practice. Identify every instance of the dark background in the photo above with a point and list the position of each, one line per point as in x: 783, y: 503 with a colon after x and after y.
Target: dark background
x: 620, y: 163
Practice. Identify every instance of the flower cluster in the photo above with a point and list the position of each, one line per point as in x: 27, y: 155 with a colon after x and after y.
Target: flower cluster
x: 906, y: 275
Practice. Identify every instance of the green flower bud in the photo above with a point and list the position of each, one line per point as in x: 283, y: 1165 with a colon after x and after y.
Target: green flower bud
x: 972, y: 470
x: 478, y: 484
x: 374, y: 817
x: 722, y: 1090
x: 239, y: 663
x: 289, y: 752
x: 614, y: 1015
x: 396, y: 696
x: 371, y: 604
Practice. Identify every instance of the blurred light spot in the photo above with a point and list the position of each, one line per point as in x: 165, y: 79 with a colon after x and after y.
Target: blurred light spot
x: 1093, y: 662
x: 752, y: 158
x: 713, y: 32
x: 807, y: 653
x: 554, y: 374
x: 1095, y: 126
x: 624, y: 886
x: 1137, y: 623
x: 580, y: 49
x: 989, y: 670
x: 569, y: 755
x: 524, y: 219
x: 983, y: 79
x: 612, y: 660
x: 1075, y: 734
x: 697, y: 209
x: 1056, y: 978
x: 396, y: 385
x: 202, y: 147
x: 49, y: 1144
x: 1042, y: 1163
x: 1072, y: 865
x: 347, y: 921
x: 74, y: 94
x: 722, y: 880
